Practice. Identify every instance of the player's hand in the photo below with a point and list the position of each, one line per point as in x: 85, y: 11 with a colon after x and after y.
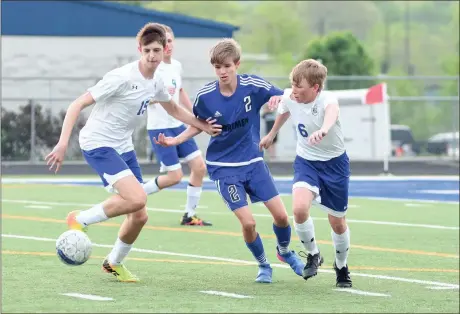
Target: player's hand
x: 212, y: 128
x: 166, y: 141
x: 273, y: 102
x: 56, y: 157
x: 316, y: 137
x: 266, y: 142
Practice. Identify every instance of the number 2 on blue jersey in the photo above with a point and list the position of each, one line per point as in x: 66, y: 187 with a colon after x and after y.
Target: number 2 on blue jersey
x: 302, y: 130
x: 143, y: 107
x: 247, y: 103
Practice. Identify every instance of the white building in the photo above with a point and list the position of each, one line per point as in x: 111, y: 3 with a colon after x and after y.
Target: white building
x: 53, y: 50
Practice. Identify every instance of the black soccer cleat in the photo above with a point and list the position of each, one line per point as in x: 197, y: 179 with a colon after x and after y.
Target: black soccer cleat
x: 193, y: 221
x: 343, y: 277
x: 312, y: 265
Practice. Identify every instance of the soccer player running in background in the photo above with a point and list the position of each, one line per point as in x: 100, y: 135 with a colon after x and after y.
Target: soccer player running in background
x: 121, y: 98
x: 233, y: 158
x: 159, y: 121
x: 321, y: 167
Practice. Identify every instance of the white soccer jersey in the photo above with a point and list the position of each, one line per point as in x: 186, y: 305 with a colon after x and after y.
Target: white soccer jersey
x: 309, y: 118
x: 122, y: 97
x: 157, y: 117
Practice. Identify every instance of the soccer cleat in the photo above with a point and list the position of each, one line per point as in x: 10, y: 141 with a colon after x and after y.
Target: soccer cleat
x: 311, y: 267
x: 265, y: 274
x: 343, y: 277
x: 73, y: 223
x: 292, y: 259
x: 119, y: 271
x: 193, y: 221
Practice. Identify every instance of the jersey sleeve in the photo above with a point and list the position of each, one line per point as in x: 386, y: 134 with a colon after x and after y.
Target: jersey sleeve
x: 198, y: 108
x: 264, y: 90
x: 111, y: 84
x: 282, y: 106
x: 161, y: 92
x: 330, y: 99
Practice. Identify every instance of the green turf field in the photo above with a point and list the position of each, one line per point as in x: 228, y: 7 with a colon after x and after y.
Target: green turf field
x: 396, y: 268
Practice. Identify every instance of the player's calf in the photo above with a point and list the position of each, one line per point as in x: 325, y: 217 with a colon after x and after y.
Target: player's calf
x: 161, y: 182
x: 254, y: 243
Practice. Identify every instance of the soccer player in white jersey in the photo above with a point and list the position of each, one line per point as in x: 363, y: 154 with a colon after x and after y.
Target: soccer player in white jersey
x: 120, y: 98
x: 321, y: 167
x: 159, y: 121
x: 233, y: 158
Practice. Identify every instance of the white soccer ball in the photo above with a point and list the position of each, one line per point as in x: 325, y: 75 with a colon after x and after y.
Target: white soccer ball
x: 73, y: 247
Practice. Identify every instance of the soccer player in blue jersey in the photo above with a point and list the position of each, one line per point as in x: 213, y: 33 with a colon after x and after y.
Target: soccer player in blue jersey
x: 233, y: 158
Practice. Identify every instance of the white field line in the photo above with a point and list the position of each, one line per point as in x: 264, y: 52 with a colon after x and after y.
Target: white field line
x: 87, y: 296
x: 227, y: 294
x: 360, y: 292
x: 199, y: 206
x: 414, y: 205
x: 422, y: 282
x: 38, y: 206
x: 446, y: 192
x: 372, y: 222
x: 442, y: 288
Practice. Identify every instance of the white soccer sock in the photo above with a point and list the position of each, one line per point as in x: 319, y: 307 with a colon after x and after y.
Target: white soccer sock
x: 151, y: 186
x: 193, y: 197
x: 342, y: 247
x: 306, y: 233
x: 119, y: 252
x: 91, y: 216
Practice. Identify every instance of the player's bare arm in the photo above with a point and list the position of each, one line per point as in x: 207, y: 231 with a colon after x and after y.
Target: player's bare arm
x: 190, y: 132
x: 330, y: 118
x: 185, y: 116
x: 56, y: 157
x: 185, y: 100
x: 280, y: 120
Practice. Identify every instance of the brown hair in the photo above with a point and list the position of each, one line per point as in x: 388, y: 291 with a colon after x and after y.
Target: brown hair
x: 311, y: 70
x: 168, y: 29
x: 224, y: 49
x: 150, y: 33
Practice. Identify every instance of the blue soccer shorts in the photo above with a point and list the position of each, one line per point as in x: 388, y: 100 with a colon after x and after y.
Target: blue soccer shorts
x: 258, y: 183
x: 328, y: 180
x: 171, y: 157
x: 112, y: 166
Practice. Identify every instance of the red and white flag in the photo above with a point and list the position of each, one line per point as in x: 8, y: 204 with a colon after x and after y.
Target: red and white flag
x: 376, y: 94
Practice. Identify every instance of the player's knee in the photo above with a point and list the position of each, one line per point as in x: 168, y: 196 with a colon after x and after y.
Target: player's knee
x: 175, y: 176
x: 281, y: 219
x: 249, y: 226
x: 141, y: 217
x: 301, y: 213
x: 137, y: 201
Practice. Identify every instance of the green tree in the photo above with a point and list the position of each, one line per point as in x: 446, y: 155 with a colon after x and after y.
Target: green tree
x: 342, y: 54
x: 16, y: 131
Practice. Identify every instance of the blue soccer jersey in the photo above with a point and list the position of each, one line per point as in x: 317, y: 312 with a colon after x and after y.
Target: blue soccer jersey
x: 238, y: 145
